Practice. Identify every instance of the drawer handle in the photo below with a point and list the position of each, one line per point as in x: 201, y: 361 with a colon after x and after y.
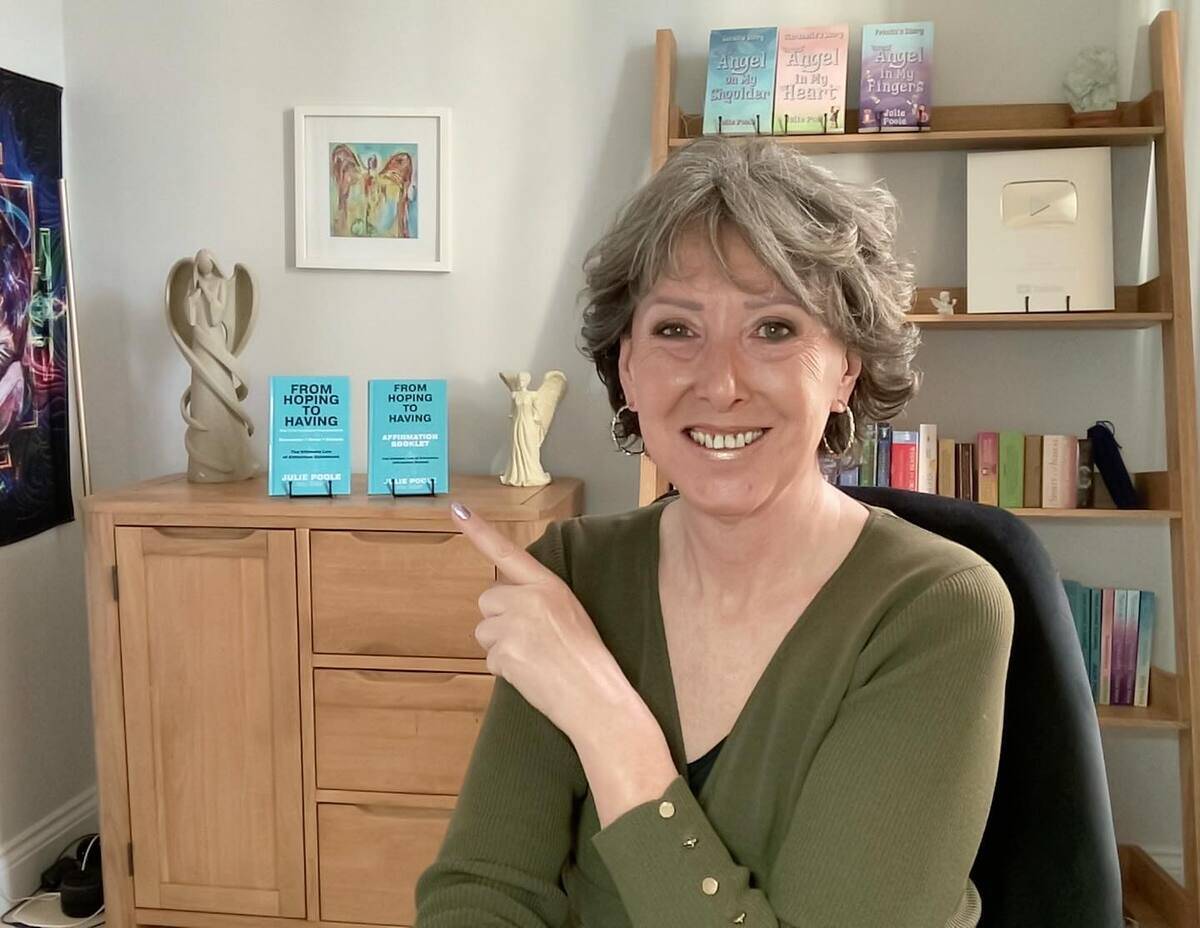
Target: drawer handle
x: 203, y: 532
x: 409, y: 538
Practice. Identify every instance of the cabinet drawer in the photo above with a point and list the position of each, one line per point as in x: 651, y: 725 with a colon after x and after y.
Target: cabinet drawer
x: 397, y: 730
x: 370, y: 858
x: 403, y: 593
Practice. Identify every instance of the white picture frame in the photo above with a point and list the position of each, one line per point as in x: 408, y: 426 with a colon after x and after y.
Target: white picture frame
x: 372, y: 187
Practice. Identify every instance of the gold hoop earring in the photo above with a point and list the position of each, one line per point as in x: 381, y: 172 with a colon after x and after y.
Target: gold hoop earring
x: 849, y: 439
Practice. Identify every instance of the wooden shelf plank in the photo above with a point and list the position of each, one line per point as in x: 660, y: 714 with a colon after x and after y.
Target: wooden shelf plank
x: 962, y: 128
x: 1162, y: 713
x: 1081, y: 320
x: 1122, y: 515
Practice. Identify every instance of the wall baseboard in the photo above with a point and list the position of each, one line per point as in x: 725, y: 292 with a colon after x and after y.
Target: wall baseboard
x: 23, y: 859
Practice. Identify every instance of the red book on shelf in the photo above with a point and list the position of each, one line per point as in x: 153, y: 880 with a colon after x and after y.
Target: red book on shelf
x: 904, y: 459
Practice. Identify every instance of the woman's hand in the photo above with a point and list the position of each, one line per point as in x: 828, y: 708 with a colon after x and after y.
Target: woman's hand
x: 541, y: 640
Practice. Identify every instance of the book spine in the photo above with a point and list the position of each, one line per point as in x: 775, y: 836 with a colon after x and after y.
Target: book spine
x: 1059, y: 471
x: 947, y: 469
x: 883, y: 456
x: 989, y: 462
x: 1132, y: 608
x: 904, y: 460
x: 1106, y: 636
x: 866, y: 473
x: 927, y: 458
x: 1033, y: 471
x: 1094, y: 642
x: 1141, y: 689
x: 1012, y: 469
x: 1085, y: 484
x: 1120, y: 628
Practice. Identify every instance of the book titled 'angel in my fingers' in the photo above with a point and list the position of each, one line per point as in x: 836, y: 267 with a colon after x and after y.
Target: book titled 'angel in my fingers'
x: 407, y: 442
x: 309, y: 436
x: 897, y: 65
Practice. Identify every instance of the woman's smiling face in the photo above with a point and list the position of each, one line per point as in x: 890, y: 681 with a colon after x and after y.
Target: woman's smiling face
x: 707, y: 356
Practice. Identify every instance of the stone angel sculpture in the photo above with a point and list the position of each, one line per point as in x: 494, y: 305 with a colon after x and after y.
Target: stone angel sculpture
x: 210, y: 317
x: 532, y: 413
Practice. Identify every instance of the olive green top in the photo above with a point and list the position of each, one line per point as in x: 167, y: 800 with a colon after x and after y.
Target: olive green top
x: 852, y: 791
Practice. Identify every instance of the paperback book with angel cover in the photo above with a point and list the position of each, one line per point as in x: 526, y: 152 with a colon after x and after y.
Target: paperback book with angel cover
x: 897, y: 66
x: 407, y: 440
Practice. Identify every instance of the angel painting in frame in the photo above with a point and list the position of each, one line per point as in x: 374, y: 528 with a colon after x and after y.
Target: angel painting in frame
x: 373, y: 190
x: 532, y: 413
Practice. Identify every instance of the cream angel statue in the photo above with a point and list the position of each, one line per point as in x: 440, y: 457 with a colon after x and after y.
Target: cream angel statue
x: 532, y: 413
x: 210, y: 317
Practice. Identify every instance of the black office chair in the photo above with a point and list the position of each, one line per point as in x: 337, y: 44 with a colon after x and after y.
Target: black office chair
x: 1048, y: 857
x: 1049, y: 853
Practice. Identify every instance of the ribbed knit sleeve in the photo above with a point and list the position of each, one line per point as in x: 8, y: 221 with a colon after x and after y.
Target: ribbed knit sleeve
x: 890, y: 817
x: 500, y: 863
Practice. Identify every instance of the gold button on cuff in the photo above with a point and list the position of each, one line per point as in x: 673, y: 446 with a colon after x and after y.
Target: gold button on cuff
x: 708, y: 886
x: 690, y: 842
x: 666, y: 808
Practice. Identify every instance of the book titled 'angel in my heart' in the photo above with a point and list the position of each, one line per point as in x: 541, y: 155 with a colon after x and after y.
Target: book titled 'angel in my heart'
x: 897, y: 64
x: 810, y: 79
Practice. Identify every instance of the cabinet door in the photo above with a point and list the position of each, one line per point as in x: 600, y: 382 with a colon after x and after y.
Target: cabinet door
x: 209, y: 656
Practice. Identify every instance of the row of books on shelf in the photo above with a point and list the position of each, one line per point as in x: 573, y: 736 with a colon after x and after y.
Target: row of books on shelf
x: 787, y: 80
x: 1115, y: 628
x: 1010, y: 469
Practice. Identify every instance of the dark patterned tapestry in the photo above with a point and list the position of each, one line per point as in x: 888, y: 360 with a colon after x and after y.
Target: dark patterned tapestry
x: 35, y: 471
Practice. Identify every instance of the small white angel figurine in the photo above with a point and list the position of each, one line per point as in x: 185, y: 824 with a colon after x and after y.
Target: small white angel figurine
x: 943, y: 304
x: 532, y: 413
x: 210, y: 317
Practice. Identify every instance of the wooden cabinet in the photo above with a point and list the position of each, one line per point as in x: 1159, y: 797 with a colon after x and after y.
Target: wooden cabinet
x: 286, y: 693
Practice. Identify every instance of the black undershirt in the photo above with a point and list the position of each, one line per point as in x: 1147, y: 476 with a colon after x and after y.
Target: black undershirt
x: 697, y: 770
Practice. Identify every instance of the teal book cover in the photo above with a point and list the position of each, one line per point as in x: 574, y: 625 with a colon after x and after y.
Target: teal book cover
x: 740, y: 95
x: 1094, y: 641
x: 407, y: 444
x: 309, y: 436
x: 1145, y: 641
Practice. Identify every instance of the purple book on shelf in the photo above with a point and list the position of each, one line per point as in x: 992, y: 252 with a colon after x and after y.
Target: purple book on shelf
x: 897, y: 63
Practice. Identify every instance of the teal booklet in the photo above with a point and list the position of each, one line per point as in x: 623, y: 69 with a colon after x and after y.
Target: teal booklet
x: 407, y: 443
x: 310, y: 436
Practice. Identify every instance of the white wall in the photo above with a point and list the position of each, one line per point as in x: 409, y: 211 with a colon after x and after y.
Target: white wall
x: 47, y: 779
x: 182, y: 139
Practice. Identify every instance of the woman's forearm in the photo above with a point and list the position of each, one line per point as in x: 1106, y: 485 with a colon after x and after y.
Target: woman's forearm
x: 626, y: 760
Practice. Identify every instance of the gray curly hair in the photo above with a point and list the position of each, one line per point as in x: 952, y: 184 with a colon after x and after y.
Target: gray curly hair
x: 828, y: 241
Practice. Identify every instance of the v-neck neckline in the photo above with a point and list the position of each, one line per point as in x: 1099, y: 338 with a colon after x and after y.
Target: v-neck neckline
x: 675, y: 735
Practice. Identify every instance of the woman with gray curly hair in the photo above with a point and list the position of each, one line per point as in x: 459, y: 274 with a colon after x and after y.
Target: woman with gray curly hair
x: 755, y: 701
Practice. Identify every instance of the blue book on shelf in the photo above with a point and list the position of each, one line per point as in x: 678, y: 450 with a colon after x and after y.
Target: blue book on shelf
x: 407, y: 441
x: 740, y: 95
x: 1145, y: 636
x: 309, y: 436
x: 1079, y: 613
x: 1096, y: 614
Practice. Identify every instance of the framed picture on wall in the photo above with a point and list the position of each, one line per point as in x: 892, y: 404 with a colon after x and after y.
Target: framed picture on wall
x: 372, y: 188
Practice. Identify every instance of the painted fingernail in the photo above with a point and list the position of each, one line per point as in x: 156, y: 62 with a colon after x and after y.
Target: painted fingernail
x: 461, y: 511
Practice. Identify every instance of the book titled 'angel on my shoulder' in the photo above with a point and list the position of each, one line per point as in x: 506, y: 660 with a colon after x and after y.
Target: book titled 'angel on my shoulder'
x: 740, y: 91
x: 407, y: 444
x: 309, y: 436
